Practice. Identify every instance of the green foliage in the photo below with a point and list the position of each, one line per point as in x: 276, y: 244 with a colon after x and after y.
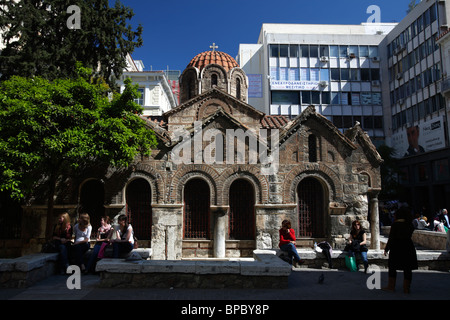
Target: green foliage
x: 389, y: 171
x: 39, y: 43
x: 49, y: 125
x: 412, y: 4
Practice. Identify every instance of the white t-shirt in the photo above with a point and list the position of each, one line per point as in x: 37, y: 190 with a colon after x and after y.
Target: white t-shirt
x: 123, y: 236
x: 82, y: 235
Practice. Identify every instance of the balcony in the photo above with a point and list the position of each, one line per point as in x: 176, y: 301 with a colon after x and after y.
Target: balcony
x: 445, y: 87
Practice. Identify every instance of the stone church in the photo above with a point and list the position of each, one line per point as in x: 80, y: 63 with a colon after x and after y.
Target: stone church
x: 220, y: 202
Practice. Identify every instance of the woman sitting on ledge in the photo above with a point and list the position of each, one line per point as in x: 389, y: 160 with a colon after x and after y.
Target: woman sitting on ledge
x: 124, y: 241
x: 287, y: 242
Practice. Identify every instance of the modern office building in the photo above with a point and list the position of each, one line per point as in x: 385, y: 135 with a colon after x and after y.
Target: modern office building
x: 386, y: 76
x: 334, y: 67
x: 414, y: 107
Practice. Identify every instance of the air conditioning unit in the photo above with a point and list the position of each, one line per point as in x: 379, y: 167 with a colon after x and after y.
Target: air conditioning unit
x: 375, y: 59
x: 323, y: 83
x: 324, y: 59
x: 376, y: 83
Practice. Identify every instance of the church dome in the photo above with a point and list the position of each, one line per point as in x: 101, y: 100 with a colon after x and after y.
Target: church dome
x: 213, y: 57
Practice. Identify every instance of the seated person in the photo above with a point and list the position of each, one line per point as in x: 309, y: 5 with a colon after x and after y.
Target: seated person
x: 82, y: 232
x: 124, y: 241
x: 104, y: 234
x: 287, y: 242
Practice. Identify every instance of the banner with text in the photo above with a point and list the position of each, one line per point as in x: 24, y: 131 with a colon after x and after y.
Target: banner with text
x: 294, y: 85
x: 426, y: 136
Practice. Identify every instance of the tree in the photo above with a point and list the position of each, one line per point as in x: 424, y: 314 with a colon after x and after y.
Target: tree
x: 48, y: 126
x: 39, y: 42
x: 389, y: 171
x: 411, y: 6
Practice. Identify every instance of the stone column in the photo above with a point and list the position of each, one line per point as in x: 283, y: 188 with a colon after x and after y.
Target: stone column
x: 374, y: 220
x: 167, y: 231
x: 220, y: 228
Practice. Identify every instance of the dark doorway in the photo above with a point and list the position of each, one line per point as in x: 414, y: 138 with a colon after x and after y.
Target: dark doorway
x: 139, y: 208
x: 92, y: 198
x: 196, y: 209
x: 242, y: 210
x: 310, y: 208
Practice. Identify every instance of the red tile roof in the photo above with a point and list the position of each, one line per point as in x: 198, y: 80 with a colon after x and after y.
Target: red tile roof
x: 213, y: 57
x: 273, y: 122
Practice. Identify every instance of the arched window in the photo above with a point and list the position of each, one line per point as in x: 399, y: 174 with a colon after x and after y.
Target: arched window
x: 139, y: 208
x: 196, y: 209
x: 312, y: 148
x: 238, y: 88
x: 213, y: 80
x: 242, y: 210
x: 310, y: 208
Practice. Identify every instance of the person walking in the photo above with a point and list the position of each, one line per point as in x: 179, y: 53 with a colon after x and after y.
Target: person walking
x: 401, y: 250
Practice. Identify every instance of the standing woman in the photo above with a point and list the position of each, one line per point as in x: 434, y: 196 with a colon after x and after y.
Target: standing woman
x: 82, y: 231
x: 402, y: 253
x: 124, y: 241
x: 62, y: 236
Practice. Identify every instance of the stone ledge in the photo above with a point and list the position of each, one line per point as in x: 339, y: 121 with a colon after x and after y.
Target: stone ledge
x: 433, y: 240
x: 427, y: 259
x: 266, y: 265
x: 28, y: 262
x: 27, y: 270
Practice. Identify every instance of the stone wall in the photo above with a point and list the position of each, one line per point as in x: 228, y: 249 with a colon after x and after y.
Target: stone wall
x: 427, y: 239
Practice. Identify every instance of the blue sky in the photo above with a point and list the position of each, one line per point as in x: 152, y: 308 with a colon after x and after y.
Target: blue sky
x: 176, y: 30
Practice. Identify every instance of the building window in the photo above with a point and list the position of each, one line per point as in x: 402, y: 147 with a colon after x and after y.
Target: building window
x: 238, y: 88
x: 312, y: 148
x: 274, y: 52
x: 140, y: 100
x: 284, y: 50
x: 334, y: 51
x: 213, y: 80
x: 285, y: 97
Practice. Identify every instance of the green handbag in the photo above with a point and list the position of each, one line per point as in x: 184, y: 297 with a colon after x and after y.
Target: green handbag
x: 350, y: 262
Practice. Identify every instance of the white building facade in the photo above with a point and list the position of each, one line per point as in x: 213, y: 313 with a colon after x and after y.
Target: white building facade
x: 157, y: 95
x: 336, y: 68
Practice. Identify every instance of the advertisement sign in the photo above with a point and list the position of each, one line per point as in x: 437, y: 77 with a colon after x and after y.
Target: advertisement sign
x: 424, y: 137
x: 255, y: 89
x: 293, y: 85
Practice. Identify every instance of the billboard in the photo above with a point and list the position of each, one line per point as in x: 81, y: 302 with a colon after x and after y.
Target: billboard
x: 424, y: 137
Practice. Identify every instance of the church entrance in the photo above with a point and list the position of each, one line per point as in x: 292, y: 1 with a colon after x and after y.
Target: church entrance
x: 311, y: 209
x: 139, y: 208
x: 196, y: 209
x: 242, y: 211
x: 92, y: 198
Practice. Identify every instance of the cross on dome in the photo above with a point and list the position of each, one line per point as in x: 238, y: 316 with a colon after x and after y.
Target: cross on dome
x: 213, y: 47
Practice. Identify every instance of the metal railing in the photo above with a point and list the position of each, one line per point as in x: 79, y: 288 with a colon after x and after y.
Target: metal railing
x: 445, y: 85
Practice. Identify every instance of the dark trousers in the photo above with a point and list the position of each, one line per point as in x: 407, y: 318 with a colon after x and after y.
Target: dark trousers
x: 78, y: 250
x: 121, y: 248
x: 407, y: 274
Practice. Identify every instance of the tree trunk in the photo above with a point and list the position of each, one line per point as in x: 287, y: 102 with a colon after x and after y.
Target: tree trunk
x: 50, y: 206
